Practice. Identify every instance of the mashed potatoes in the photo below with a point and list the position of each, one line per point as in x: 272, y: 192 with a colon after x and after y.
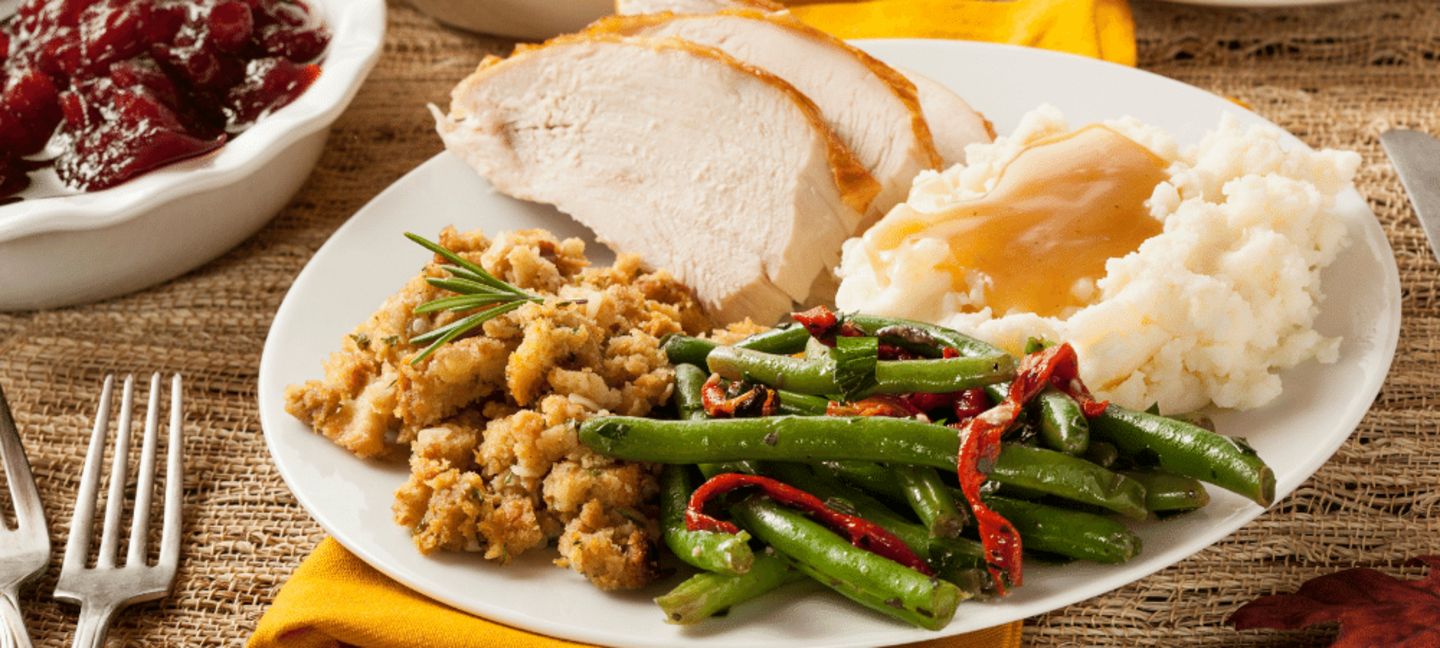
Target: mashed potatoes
x: 1209, y: 310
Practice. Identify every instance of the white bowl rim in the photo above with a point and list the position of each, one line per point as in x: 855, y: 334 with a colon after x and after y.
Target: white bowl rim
x: 357, y: 29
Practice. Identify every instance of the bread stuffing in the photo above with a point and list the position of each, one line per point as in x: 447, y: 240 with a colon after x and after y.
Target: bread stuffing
x: 488, y: 421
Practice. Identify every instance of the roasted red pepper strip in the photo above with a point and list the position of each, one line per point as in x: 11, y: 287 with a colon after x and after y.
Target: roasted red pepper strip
x: 824, y: 325
x: 819, y: 321
x: 758, y: 400
x: 893, y: 405
x: 980, y: 448
x: 863, y: 533
x: 1088, y: 405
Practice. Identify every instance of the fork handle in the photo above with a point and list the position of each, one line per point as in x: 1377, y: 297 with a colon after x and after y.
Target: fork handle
x: 12, y: 622
x: 94, y: 623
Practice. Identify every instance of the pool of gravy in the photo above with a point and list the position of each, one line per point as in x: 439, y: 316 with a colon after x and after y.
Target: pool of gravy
x: 1059, y: 210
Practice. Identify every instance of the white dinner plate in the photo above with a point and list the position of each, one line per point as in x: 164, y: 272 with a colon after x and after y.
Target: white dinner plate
x: 368, y: 259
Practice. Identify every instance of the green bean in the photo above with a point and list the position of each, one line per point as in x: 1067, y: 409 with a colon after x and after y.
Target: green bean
x: 775, y: 438
x: 899, y: 332
x: 1034, y: 345
x: 958, y: 560
x: 930, y: 500
x: 798, y: 404
x: 1179, y: 447
x: 1101, y: 453
x: 709, y: 470
x: 1059, y: 474
x: 971, y: 580
x: 690, y: 402
x: 943, y: 554
x: 1016, y: 492
x: 838, y: 496
x: 781, y: 372
x: 997, y: 392
x: 724, y: 553
x: 865, y: 475
x: 874, y: 581
x: 689, y: 395
x: 1197, y: 419
x: 786, y: 339
x: 891, y: 377
x: 849, y: 481
x: 1063, y: 425
x: 943, y: 375
x: 873, y: 438
x: 1069, y: 533
x: 964, y: 344
x: 684, y: 349
x: 1166, y: 491
x: 709, y: 593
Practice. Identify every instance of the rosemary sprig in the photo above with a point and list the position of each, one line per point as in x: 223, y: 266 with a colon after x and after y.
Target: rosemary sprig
x: 477, y: 289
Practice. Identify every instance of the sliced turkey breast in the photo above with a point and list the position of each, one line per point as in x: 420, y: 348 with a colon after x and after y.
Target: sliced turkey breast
x: 870, y: 106
x: 630, y: 7
x: 953, y: 123
x: 718, y: 171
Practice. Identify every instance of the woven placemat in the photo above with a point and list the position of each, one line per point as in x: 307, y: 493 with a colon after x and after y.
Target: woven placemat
x: 1336, y: 76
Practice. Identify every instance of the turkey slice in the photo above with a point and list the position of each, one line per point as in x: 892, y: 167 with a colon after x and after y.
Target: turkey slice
x: 720, y: 172
x: 870, y: 106
x: 952, y: 121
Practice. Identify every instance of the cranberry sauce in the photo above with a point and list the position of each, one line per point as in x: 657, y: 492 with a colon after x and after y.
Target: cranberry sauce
x: 120, y: 87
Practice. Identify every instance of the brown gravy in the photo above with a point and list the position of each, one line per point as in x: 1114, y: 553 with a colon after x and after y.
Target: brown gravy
x: 1058, y: 212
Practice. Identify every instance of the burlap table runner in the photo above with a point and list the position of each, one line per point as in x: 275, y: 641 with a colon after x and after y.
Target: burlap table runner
x: 1336, y: 76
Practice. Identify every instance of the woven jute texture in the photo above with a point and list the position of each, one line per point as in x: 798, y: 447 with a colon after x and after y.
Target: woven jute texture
x: 1335, y: 76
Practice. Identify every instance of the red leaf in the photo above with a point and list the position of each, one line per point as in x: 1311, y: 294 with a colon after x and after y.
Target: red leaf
x: 1374, y: 610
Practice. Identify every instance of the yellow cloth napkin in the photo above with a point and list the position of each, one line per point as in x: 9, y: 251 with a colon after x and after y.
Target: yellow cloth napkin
x: 335, y: 600
x: 1101, y: 29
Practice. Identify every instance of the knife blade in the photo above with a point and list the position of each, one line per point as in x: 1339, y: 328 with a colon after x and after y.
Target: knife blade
x: 1416, y: 157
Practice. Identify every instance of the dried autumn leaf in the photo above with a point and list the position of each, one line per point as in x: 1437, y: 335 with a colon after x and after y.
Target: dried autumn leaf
x: 1373, y: 609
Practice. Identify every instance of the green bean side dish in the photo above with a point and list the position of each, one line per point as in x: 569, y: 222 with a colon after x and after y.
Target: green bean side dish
x: 902, y: 464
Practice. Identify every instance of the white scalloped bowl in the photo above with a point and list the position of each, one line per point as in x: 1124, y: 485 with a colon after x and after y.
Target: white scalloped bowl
x: 521, y: 19
x: 84, y: 247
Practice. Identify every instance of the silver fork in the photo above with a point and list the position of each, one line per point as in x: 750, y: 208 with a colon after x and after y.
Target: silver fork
x: 107, y: 587
x: 26, y: 548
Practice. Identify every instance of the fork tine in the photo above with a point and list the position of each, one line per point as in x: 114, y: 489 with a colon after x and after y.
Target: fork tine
x: 29, y: 516
x: 78, y: 545
x: 27, y: 546
x: 174, y: 481
x: 105, y: 589
x: 145, y: 472
x: 115, y: 502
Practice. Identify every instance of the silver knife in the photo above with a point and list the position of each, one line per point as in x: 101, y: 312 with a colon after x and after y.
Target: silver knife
x: 1416, y: 157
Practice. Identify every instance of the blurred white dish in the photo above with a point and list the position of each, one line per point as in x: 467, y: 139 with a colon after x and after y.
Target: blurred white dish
x: 83, y: 247
x: 521, y: 19
x: 368, y: 259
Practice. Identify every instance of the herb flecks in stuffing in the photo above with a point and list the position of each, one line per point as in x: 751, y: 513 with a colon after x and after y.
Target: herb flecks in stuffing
x: 488, y: 420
